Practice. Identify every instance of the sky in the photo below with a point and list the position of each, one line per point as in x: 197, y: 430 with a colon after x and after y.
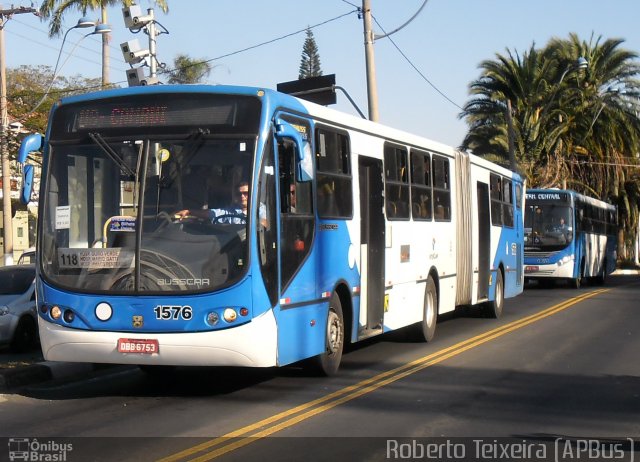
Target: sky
x: 423, y: 71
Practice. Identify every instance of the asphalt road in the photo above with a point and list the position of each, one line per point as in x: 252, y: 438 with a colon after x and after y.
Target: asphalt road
x: 561, y: 365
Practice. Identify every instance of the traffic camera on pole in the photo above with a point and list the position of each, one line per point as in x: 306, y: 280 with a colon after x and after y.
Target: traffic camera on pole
x: 134, y: 19
x: 132, y: 52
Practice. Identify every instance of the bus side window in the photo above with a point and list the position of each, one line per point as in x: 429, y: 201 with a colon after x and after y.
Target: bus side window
x: 441, y: 188
x: 496, y: 200
x: 396, y: 182
x: 334, y: 181
x: 421, y: 192
x: 507, y: 206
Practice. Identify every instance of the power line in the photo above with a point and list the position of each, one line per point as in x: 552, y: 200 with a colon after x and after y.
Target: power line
x: 415, y: 68
x: 268, y: 42
x: 90, y: 50
x: 99, y: 42
x: 405, y: 24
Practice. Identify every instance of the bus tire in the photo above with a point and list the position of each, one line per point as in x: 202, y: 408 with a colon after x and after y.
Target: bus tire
x: 426, y: 329
x: 327, y: 363
x: 576, y: 282
x: 601, y: 278
x: 494, y: 308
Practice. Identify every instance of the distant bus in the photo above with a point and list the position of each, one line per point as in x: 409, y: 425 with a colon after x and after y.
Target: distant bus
x: 352, y: 229
x: 568, y: 236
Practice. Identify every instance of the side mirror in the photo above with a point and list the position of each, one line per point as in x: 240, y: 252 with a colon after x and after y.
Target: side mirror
x: 304, y: 171
x: 27, y: 184
x: 29, y: 144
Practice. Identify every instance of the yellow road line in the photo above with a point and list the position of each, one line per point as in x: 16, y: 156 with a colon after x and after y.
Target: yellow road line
x: 307, y: 410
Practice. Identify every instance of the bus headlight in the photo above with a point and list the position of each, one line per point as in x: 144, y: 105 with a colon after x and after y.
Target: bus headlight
x: 68, y: 316
x: 213, y: 318
x: 103, y: 311
x: 565, y: 259
x: 230, y: 315
x: 55, y: 312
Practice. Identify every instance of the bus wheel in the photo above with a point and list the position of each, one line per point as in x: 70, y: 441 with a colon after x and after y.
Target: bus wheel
x: 494, y: 308
x: 427, y: 327
x: 601, y: 278
x: 577, y: 282
x: 327, y: 363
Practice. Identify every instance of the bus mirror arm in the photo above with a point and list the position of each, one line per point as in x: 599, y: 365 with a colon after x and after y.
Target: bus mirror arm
x: 302, y: 148
x: 29, y: 144
x: 286, y: 130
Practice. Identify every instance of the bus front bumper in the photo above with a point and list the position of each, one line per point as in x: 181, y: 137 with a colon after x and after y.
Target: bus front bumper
x: 553, y: 270
x: 250, y: 345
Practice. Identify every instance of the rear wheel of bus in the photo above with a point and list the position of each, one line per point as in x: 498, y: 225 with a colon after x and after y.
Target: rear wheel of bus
x: 494, y: 308
x: 426, y: 329
x: 601, y: 278
x: 328, y: 362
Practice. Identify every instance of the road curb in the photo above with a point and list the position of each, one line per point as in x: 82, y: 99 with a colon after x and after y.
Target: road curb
x: 626, y: 271
x: 40, y: 372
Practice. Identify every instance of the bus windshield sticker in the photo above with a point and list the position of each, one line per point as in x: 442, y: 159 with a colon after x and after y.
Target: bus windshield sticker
x: 63, y: 217
x: 94, y: 258
x: 123, y: 224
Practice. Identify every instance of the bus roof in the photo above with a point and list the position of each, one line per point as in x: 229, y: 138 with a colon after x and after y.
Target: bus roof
x: 276, y: 100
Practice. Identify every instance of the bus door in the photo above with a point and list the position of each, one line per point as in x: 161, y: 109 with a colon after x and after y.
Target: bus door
x: 372, y: 239
x: 519, y: 225
x: 300, y: 306
x: 484, y: 240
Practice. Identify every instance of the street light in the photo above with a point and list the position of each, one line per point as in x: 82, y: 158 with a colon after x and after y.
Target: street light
x: 6, y: 177
x: 99, y: 29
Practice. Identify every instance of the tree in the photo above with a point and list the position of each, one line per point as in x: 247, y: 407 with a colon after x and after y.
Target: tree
x: 310, y: 61
x: 26, y: 85
x: 572, y: 127
x: 56, y: 9
x: 188, y: 70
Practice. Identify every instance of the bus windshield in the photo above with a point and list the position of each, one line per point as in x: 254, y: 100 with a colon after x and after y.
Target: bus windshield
x: 548, y: 226
x: 131, y: 214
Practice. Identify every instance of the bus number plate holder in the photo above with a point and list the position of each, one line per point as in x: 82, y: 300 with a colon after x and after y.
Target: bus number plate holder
x: 531, y: 269
x: 136, y: 345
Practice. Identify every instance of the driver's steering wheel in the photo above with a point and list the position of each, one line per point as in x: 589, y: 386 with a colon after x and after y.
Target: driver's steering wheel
x: 220, y: 219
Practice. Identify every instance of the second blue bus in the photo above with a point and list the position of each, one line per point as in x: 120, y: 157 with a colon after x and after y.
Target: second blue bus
x: 568, y: 236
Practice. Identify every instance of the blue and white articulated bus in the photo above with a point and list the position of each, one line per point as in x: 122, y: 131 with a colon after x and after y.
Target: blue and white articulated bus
x: 352, y: 229
x: 569, y: 236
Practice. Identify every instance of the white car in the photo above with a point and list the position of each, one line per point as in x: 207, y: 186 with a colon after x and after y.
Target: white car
x: 18, y: 316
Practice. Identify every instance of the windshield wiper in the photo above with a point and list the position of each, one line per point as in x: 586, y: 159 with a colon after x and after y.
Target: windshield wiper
x: 113, y: 155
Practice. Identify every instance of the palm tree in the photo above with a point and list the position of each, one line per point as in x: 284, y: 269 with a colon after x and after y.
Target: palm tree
x: 604, y: 111
x: 573, y: 127
x: 188, y: 70
x: 518, y: 88
x: 56, y: 9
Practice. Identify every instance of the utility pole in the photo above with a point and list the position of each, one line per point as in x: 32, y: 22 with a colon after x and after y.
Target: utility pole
x: 151, y: 30
x: 5, y: 15
x: 372, y: 88
x: 105, y: 49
